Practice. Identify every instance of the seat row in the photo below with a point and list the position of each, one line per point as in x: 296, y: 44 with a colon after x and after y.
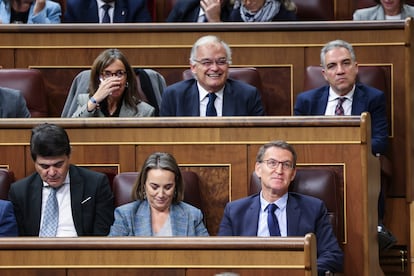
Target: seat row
x: 323, y: 182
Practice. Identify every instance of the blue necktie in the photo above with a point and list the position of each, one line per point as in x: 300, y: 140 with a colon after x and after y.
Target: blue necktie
x: 272, y: 220
x: 211, y: 110
x: 106, y: 18
x: 50, y: 216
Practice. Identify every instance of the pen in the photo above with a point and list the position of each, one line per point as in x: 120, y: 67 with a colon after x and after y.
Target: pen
x: 85, y: 200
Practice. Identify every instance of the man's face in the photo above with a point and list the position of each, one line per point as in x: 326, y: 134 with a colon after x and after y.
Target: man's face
x: 52, y: 170
x: 340, y: 71
x: 276, y: 172
x: 211, y: 66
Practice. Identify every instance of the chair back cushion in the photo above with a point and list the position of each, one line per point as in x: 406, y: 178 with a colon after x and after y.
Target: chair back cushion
x: 6, y: 179
x: 312, y: 10
x: 30, y: 83
x: 323, y: 182
x: 123, y: 183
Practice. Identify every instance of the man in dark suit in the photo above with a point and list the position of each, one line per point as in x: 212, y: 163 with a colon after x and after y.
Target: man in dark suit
x: 200, y: 11
x: 345, y: 96
x: 294, y: 214
x: 84, y: 204
x: 8, y: 225
x: 119, y: 11
x: 12, y: 104
x: 210, y: 92
x: 340, y: 69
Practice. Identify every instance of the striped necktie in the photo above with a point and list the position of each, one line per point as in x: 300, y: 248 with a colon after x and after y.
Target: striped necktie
x: 50, y: 216
x: 339, y: 110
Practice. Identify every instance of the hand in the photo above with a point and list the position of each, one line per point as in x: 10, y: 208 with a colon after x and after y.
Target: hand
x: 212, y: 9
x: 106, y: 87
x: 39, y: 6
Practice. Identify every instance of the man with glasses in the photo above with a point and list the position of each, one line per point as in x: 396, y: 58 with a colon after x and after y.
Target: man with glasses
x: 277, y: 212
x: 60, y: 199
x: 211, y: 92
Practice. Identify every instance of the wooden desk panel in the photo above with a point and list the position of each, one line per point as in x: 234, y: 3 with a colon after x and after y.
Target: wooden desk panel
x: 222, y: 151
x: 89, y: 256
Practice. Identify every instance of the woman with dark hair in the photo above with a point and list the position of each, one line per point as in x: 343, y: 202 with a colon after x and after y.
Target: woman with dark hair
x: 29, y: 11
x: 112, y: 89
x: 158, y: 208
x: 263, y: 10
x: 385, y: 10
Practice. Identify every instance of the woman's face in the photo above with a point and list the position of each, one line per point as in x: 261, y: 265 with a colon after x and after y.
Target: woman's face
x: 116, y: 73
x: 391, y: 7
x: 160, y: 189
x: 253, y: 5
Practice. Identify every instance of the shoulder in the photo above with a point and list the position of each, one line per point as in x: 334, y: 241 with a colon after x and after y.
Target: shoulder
x: 5, y: 204
x: 313, y: 92
x: 76, y: 3
x: 361, y: 14
x: 188, y: 208
x: 130, y: 207
x: 241, y: 88
x: 25, y: 183
x: 369, y: 90
x: 305, y: 201
x: 243, y: 202
x: 409, y: 9
x: 84, y: 173
x: 9, y: 92
x: 180, y: 86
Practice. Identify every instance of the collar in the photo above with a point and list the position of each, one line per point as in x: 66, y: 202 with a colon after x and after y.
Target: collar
x: 333, y: 96
x: 204, y: 93
x: 100, y: 3
x: 281, y: 202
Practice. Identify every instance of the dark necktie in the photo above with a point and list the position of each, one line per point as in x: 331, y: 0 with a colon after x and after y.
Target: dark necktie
x: 106, y: 18
x: 339, y: 110
x: 211, y: 110
x: 50, y: 216
x: 272, y: 220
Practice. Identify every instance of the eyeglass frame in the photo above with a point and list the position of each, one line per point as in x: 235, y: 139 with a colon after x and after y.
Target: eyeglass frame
x: 119, y: 74
x: 207, y: 63
x: 286, y: 165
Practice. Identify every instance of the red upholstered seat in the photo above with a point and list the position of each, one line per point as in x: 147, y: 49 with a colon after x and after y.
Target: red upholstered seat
x: 123, y: 183
x: 315, y: 10
x: 323, y: 182
x: 30, y: 83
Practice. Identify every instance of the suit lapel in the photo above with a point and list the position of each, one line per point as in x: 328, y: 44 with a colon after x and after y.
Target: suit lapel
x: 228, y: 101
x: 322, y: 102
x: 76, y: 192
x: 143, y: 220
x: 120, y: 12
x: 359, y: 101
x: 293, y: 214
x: 179, y: 221
x: 194, y: 99
x: 252, y: 212
x: 36, y: 192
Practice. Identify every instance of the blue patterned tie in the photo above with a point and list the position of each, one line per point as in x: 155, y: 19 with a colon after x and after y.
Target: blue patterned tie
x: 106, y: 18
x: 272, y: 222
x: 50, y: 216
x: 211, y: 110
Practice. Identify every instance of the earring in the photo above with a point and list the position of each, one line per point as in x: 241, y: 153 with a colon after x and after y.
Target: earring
x: 126, y: 85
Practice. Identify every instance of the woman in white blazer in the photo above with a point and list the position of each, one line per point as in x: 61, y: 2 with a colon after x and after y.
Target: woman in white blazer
x: 394, y: 10
x: 30, y: 12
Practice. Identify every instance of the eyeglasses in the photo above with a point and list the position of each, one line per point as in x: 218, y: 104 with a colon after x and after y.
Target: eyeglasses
x: 272, y: 164
x: 209, y: 62
x: 119, y: 74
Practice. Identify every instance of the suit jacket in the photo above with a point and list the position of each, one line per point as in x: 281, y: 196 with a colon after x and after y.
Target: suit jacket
x: 189, y: 10
x: 8, y: 224
x: 282, y: 15
x: 126, y: 11
x: 377, y: 13
x: 239, y: 99
x: 304, y: 214
x: 92, y: 217
x: 134, y: 219
x: 12, y: 104
x: 143, y: 109
x: 366, y: 98
x: 49, y: 15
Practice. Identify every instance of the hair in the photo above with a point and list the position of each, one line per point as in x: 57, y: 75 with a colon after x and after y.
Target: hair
x: 277, y: 144
x: 336, y: 44
x: 159, y: 160
x: 49, y: 140
x: 209, y: 39
x: 105, y: 59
